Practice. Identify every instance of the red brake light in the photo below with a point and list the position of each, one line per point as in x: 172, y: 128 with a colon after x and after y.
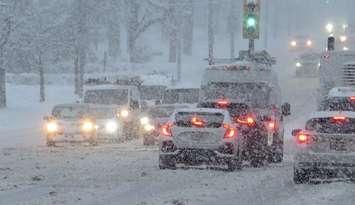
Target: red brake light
x: 303, y: 138
x: 247, y: 121
x: 198, y: 122
x: 271, y: 125
x: 352, y: 98
x: 223, y: 102
x: 166, y: 130
x: 230, y: 132
x: 339, y: 118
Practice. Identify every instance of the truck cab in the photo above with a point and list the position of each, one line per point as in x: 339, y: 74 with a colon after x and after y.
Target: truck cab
x: 337, y: 69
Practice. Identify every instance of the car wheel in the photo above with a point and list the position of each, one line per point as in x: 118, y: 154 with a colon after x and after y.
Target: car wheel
x: 300, y: 176
x: 93, y: 141
x: 276, y: 156
x: 231, y: 165
x: 259, y: 156
x: 167, y: 162
x: 148, y: 141
x: 50, y: 143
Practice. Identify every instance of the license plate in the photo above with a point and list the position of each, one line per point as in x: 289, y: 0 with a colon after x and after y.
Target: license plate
x: 338, y: 145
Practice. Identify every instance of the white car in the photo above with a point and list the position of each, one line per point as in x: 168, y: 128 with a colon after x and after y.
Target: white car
x: 326, y: 147
x: 82, y: 123
x: 200, y: 136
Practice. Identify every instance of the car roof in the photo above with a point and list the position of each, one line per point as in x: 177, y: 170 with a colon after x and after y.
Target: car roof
x: 72, y: 105
x: 86, y: 105
x: 111, y: 87
x: 342, y: 92
x: 326, y: 114
x: 206, y: 110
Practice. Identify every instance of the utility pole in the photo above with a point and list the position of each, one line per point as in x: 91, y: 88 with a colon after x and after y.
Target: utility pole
x: 266, y: 24
x: 2, y: 88
x: 179, y: 54
x: 210, y: 33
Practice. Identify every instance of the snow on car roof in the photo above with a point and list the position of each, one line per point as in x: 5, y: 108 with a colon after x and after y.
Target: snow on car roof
x: 236, y: 64
x: 206, y: 110
x: 108, y: 86
x: 325, y: 114
x: 342, y: 92
x: 72, y: 105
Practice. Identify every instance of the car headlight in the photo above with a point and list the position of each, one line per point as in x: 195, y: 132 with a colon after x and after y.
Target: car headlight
x: 124, y: 113
x: 52, y: 127
x: 293, y: 43
x: 88, y: 126
x: 149, y: 127
x: 144, y: 120
x: 298, y: 64
x: 111, y: 127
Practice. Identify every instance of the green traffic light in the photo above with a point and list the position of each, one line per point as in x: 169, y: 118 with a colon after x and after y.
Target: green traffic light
x: 251, y: 22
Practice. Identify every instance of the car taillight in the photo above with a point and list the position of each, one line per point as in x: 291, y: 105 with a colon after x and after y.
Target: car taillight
x: 166, y: 130
x: 352, y: 98
x: 303, y: 138
x: 246, y: 120
x: 223, y: 103
x: 339, y: 119
x: 230, y: 131
x: 197, y: 122
x: 271, y: 125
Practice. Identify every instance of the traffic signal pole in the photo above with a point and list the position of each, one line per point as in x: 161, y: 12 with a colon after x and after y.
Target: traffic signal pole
x: 251, y: 47
x: 251, y: 23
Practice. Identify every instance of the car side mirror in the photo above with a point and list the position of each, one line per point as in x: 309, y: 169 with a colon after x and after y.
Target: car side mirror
x: 296, y: 131
x: 286, y: 109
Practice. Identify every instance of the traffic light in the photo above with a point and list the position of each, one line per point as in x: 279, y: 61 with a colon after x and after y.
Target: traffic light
x: 251, y: 21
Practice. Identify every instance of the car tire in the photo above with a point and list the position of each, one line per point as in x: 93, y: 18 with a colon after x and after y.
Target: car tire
x: 50, y: 143
x: 231, y: 165
x: 301, y: 176
x: 148, y: 141
x: 167, y: 162
x: 259, y: 155
x: 93, y: 141
x: 276, y: 156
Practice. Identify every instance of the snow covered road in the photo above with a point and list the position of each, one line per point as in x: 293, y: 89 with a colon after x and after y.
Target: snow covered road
x: 31, y: 173
x: 128, y: 174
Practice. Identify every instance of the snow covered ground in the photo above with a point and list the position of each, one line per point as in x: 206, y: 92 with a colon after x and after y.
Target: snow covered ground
x: 31, y: 173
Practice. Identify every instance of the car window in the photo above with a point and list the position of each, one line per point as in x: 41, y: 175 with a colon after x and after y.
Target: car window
x: 331, y: 125
x: 338, y: 104
x: 208, y: 120
x: 107, y: 97
x: 69, y: 112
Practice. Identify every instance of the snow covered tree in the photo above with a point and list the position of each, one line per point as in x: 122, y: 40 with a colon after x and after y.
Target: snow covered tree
x: 141, y: 15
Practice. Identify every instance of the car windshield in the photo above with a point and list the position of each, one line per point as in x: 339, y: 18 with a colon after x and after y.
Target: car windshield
x: 102, y: 113
x: 331, y: 125
x: 181, y: 96
x: 152, y: 92
x: 254, y: 94
x: 234, y: 109
x: 163, y: 111
x: 201, y: 119
x: 107, y: 97
x: 69, y: 112
x: 338, y: 104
